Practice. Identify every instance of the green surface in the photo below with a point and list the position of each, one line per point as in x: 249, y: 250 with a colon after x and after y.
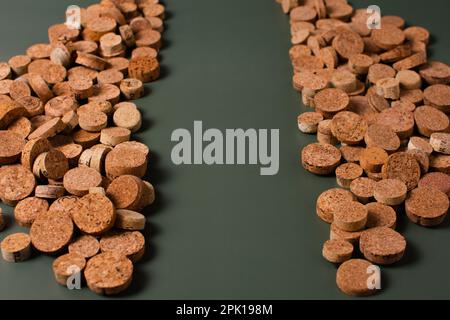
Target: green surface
x: 224, y: 231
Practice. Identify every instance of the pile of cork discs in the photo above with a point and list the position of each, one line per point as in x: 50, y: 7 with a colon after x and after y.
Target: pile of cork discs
x: 68, y: 162
x: 379, y: 109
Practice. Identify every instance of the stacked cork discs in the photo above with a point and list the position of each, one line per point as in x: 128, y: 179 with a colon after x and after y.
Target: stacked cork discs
x: 379, y: 109
x: 67, y: 160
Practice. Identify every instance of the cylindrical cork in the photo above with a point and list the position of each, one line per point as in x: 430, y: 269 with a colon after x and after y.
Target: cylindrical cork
x: 16, y: 247
x: 144, y: 69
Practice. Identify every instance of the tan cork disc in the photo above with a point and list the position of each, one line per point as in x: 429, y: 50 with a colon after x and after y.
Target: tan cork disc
x: 380, y: 215
x: 16, y: 183
x: 67, y: 266
x: 329, y: 200
x: 363, y: 189
x: 337, y: 251
x: 129, y: 220
x: 437, y: 180
x: 427, y: 206
x: 109, y: 273
x: 51, y: 231
x: 404, y: 167
x: 85, y: 246
x: 382, y: 245
x: 429, y: 120
x: 390, y: 192
x: 346, y: 173
x: 32, y: 149
x: 350, y: 216
x: 373, y: 158
x: 96, y: 215
x: 126, y: 192
x: 422, y: 144
x: 127, y: 243
x: 21, y: 127
x: 28, y: 209
x: 16, y: 247
x: 321, y: 159
x: 351, y: 153
x: 122, y: 161
x: 438, y: 96
x: 331, y: 101
x: 440, y: 162
x: 77, y: 181
x: 401, y: 121
x: 11, y: 146
x: 352, y: 278
x: 348, y: 127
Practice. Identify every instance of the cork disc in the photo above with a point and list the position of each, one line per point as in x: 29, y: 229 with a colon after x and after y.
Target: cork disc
x: 108, y: 273
x: 79, y: 180
x: 16, y: 247
x: 346, y: 173
x: 350, y: 216
x: 135, y: 145
x: 352, y: 278
x: 21, y: 127
x: 128, y: 118
x: 414, y: 96
x: 130, y: 220
x: 55, y: 165
x: 96, y: 215
x: 331, y: 101
x: 125, y: 161
x: 430, y: 120
x: 329, y: 200
x: 28, y: 210
x: 438, y: 96
x: 302, y: 13
x: 120, y: 64
x: 390, y: 191
x: 93, y: 121
x: 85, y: 246
x: 402, y: 122
x: 144, y: 52
x: 84, y: 46
x: 51, y: 231
x: 125, y: 192
x: 382, y: 245
x: 48, y: 129
x: 82, y: 72
x: 437, y: 180
x: 11, y: 146
x: 39, y: 51
x: 106, y: 92
x: 404, y: 167
x: 373, y: 158
x: 435, y: 72
x: 320, y: 159
x: 337, y: 251
x: 347, y: 44
x: 388, y: 37
x: 97, y: 106
x: 110, y: 76
x: 348, y: 127
x: 32, y: 149
x: 440, y: 162
x: 148, y: 38
x: 128, y: 243
x: 427, y: 206
x: 363, y: 188
x: 16, y: 183
x: 66, y: 265
x: 351, y: 153
x: 415, y: 33
x: 380, y: 215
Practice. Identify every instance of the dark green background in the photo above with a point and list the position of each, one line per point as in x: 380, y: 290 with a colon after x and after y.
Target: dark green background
x: 224, y: 232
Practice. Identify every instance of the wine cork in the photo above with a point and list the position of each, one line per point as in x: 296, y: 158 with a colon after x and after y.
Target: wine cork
x: 156, y: 23
x: 126, y: 192
x: 347, y: 44
x: 414, y: 96
x: 39, y: 51
x: 401, y: 121
x: 337, y: 251
x: 21, y: 127
x: 127, y: 243
x: 373, y: 158
x: 128, y: 118
x: 61, y: 55
x: 321, y: 159
x: 348, y: 127
x: 129, y: 220
x: 427, y: 206
x: 438, y: 96
x: 77, y: 181
x: 390, y: 192
x: 380, y: 215
x: 82, y: 72
x: 96, y: 214
x: 404, y: 167
x: 93, y: 121
x: 380, y: 71
x: 51, y: 231
x: 19, y: 64
x: 5, y: 71
x: 144, y: 69
x: 132, y: 89
x: 388, y: 88
x: 435, y: 72
x: 308, y: 122
x: 440, y: 162
x: 338, y: 234
x: 140, y: 23
x: 67, y: 266
x: 155, y: 10
x: 346, y: 173
x: 11, y: 146
x: 82, y: 87
x: 105, y: 92
x: 411, y: 62
x: 111, y: 45
x: 86, y: 139
x: 114, y: 136
x: 100, y: 106
x: 91, y: 61
x: 363, y: 189
x: 127, y: 35
x: 360, y: 63
x: 409, y: 79
x: 62, y: 33
x: 98, y: 27
x: 110, y: 76
x: 28, y: 210
x: 119, y: 63
x: 344, y: 80
x: 329, y: 200
x: 140, y: 147
x: 5, y: 86
x: 109, y: 273
x: 352, y: 278
x: 125, y: 161
x: 49, y: 192
x: 331, y: 101
x: 55, y: 165
x: 40, y: 87
x: 429, y: 120
x: 144, y: 52
x: 16, y: 184
x: 437, y: 180
x: 32, y: 105
x: 48, y: 129
x: 16, y: 247
x: 98, y: 156
x: 83, y: 46
x: 59, y: 106
x: 350, y: 216
x: 19, y: 89
x: 440, y: 142
x: 382, y: 245
x: 85, y: 246
x: 324, y: 134
x: 351, y: 153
